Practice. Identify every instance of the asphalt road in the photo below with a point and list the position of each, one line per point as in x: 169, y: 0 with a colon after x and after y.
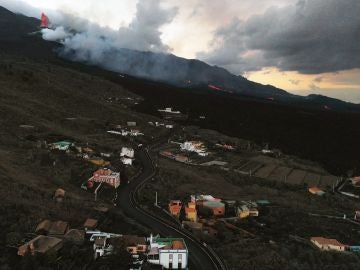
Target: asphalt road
x: 200, y: 257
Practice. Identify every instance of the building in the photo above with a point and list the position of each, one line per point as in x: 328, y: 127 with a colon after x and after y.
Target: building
x: 355, y: 180
x: 316, y: 191
x: 169, y: 126
x: 106, y: 176
x: 99, y: 162
x: 52, y: 228
x: 135, y: 133
x: 328, y: 244
x: 357, y: 215
x: 217, y: 208
x: 170, y: 253
x: 40, y: 245
x: 90, y: 224
x: 103, y: 243
x: 61, y: 145
x: 59, y: 195
x: 126, y: 161
x: 191, y: 212
x: 175, y: 207
x: 169, y: 110
x: 253, y: 208
x: 131, y: 124
x: 194, y: 146
x: 135, y: 244
x: 354, y: 248
x: 127, y: 152
x: 242, y: 212
x: 102, y: 247
x: 200, y: 199
x: 181, y: 158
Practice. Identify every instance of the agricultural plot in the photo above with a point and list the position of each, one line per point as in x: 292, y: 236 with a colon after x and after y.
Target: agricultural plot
x: 312, y: 179
x: 265, y: 171
x: 296, y: 177
x: 280, y: 173
x: 250, y: 167
x: 328, y: 180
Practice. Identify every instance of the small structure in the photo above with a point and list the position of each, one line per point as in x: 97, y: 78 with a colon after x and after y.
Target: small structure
x: 126, y: 161
x: 103, y: 243
x: 316, y: 191
x: 127, y: 152
x: 354, y: 248
x: 135, y: 133
x: 59, y: 195
x: 357, y: 215
x: 135, y: 244
x: 328, y: 244
x: 217, y: 208
x: 107, y: 155
x: 170, y: 253
x: 191, y: 212
x: 52, y: 228
x: 75, y: 236
x: 40, y: 245
x: 99, y: 162
x: 181, y: 158
x: 61, y: 145
x: 169, y: 110
x: 253, y: 208
x: 106, y: 176
x: 175, y: 207
x: 102, y: 247
x: 90, y: 224
x: 355, y: 180
x: 194, y: 146
x: 242, y: 212
x: 225, y: 146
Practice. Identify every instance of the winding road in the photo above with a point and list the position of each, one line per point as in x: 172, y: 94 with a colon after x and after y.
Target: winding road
x: 200, y: 257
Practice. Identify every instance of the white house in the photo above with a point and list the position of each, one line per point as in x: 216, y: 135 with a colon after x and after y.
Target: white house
x: 127, y: 161
x: 170, y: 253
x: 102, y: 245
x: 135, y: 133
x: 194, y: 146
x: 127, y: 152
x: 169, y: 110
x: 328, y: 244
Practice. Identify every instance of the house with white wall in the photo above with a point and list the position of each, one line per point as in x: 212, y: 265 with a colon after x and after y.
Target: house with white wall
x: 170, y: 253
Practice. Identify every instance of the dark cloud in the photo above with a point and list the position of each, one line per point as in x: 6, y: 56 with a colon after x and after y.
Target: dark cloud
x: 313, y: 86
x: 312, y: 37
x: 318, y: 79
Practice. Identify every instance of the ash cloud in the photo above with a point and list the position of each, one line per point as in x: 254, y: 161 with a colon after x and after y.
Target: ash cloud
x: 311, y: 37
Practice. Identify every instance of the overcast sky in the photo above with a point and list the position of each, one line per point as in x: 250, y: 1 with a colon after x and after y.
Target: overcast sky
x: 303, y: 46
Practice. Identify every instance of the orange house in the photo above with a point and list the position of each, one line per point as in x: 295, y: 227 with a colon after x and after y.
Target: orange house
x: 191, y: 213
x: 175, y: 207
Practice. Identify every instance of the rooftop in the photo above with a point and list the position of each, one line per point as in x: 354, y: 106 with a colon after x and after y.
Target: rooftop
x: 40, y: 244
x: 171, y: 243
x: 327, y: 241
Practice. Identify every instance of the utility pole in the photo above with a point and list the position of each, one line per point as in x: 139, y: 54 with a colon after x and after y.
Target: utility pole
x: 156, y: 199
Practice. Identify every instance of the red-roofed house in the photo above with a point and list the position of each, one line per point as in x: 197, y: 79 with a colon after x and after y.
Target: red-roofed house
x: 328, y: 244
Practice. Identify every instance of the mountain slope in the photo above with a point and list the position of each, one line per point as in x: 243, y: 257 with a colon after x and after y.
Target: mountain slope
x: 158, y: 67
